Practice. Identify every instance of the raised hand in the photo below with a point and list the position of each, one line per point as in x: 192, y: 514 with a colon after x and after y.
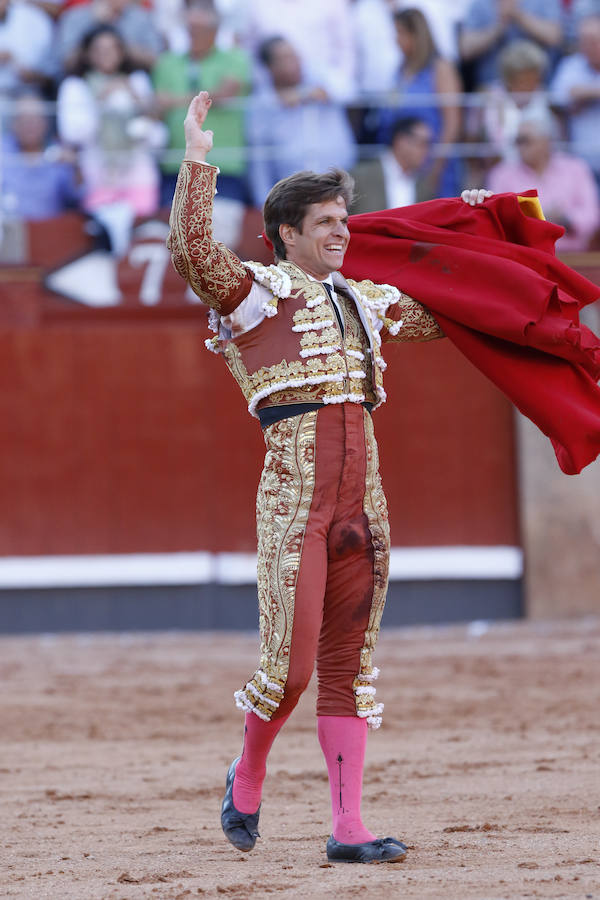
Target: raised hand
x: 198, y: 141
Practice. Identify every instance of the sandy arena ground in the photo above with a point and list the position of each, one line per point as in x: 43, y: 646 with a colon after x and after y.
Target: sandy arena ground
x: 113, y: 753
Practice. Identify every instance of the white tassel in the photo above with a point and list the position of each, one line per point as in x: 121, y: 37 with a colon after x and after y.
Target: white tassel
x: 315, y: 351
x: 374, y: 722
x: 313, y: 326
x: 372, y: 677
x: 269, y: 309
x: 292, y: 383
x: 273, y: 278
x: 242, y: 703
x: 344, y: 398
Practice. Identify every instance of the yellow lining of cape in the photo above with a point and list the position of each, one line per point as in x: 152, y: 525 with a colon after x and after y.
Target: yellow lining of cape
x: 531, y: 206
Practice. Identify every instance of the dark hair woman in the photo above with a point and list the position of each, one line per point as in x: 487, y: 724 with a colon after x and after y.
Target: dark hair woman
x: 424, y: 72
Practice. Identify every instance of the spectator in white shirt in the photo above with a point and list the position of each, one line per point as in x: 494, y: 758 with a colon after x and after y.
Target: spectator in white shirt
x: 26, y: 36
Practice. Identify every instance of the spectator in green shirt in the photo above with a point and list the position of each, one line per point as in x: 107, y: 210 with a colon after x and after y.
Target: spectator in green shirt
x: 205, y: 67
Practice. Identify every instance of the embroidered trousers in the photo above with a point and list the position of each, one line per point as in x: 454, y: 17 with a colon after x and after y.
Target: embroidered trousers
x: 323, y: 552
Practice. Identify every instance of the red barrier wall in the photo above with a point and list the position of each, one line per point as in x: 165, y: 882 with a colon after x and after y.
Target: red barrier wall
x: 121, y: 433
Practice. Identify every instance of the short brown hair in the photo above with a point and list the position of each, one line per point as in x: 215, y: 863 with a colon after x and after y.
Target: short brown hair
x: 288, y: 201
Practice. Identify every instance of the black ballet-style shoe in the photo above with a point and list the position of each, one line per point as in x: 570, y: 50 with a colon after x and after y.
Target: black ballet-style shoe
x: 378, y: 851
x: 239, y: 828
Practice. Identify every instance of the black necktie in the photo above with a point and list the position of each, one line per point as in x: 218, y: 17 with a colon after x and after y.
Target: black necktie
x: 329, y: 290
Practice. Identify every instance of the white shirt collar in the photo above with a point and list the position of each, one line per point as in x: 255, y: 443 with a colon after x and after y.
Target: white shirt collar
x: 329, y: 279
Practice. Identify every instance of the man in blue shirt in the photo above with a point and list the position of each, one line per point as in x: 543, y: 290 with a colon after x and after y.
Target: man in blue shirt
x: 38, y: 179
x: 293, y: 124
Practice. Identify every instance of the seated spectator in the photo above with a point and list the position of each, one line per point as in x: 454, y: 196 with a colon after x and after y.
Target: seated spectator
x: 423, y: 72
x: 292, y: 124
x: 320, y: 31
x: 38, y: 178
x: 226, y: 74
x: 521, y: 94
x: 398, y: 176
x: 565, y: 184
x: 134, y: 24
x: 104, y: 112
x: 575, y: 90
x: 26, y: 36
x: 490, y: 25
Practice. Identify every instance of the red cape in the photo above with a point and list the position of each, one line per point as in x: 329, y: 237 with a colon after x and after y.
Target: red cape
x: 490, y: 276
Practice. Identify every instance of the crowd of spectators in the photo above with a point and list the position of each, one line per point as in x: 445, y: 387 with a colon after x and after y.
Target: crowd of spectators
x: 420, y: 99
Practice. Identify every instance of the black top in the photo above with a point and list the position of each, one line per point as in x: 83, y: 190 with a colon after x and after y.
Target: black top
x: 271, y: 414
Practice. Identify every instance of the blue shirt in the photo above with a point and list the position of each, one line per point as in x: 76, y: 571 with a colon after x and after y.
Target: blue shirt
x: 286, y: 139
x: 37, y: 187
x: 484, y: 13
x: 583, y: 123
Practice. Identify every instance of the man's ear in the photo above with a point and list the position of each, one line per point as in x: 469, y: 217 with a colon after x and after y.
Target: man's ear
x: 287, y: 233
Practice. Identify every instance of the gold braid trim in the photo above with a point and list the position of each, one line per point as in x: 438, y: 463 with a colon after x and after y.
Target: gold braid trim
x: 418, y: 324
x: 282, y: 508
x: 375, y: 507
x: 213, y: 271
x: 387, y: 304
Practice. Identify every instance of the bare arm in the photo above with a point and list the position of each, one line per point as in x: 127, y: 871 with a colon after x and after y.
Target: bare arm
x: 447, y: 81
x: 476, y: 42
x: 542, y: 30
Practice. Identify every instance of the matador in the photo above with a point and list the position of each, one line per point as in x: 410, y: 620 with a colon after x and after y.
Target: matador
x: 304, y: 345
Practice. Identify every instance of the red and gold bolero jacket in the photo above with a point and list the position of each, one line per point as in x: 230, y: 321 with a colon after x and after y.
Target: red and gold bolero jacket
x: 277, y: 327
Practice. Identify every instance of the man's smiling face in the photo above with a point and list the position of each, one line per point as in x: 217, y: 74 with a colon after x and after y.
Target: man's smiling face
x: 320, y: 246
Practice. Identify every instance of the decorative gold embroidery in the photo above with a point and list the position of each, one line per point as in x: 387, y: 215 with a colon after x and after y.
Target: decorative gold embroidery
x: 375, y: 507
x: 328, y: 368
x: 356, y: 345
x: 418, y: 324
x: 313, y: 292
x: 315, y: 342
x: 317, y: 317
x: 282, y: 509
x: 213, y: 271
x: 236, y: 366
x: 375, y: 297
x: 273, y: 277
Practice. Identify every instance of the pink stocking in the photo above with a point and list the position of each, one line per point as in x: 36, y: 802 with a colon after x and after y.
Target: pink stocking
x: 251, y: 770
x: 343, y: 741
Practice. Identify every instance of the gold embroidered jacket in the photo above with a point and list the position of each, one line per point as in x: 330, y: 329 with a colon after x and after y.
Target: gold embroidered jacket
x: 277, y: 327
